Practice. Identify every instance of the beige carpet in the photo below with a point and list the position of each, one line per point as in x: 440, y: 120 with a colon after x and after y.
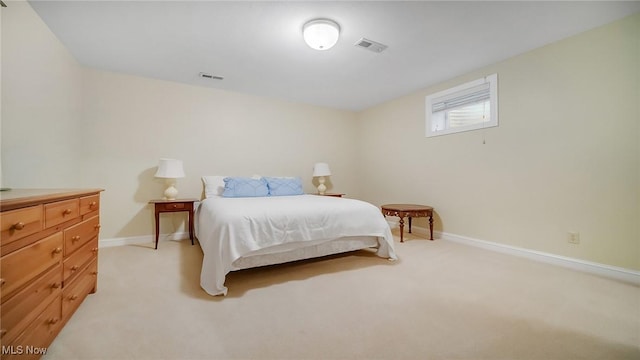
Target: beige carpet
x: 441, y: 300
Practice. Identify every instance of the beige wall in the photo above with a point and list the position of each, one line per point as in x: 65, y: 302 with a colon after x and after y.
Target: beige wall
x: 41, y: 100
x: 565, y: 157
x: 130, y: 122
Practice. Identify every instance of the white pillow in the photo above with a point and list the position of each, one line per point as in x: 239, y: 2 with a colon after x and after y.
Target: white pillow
x: 213, y: 186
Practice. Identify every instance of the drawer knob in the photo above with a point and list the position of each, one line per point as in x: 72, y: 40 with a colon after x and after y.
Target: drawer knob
x: 2, y: 281
x: 66, y: 212
x: 97, y: 227
x: 57, y: 250
x: 75, y: 238
x: 53, y: 321
x: 55, y: 285
x: 94, y: 249
x: 73, y: 297
x: 74, y: 268
x: 92, y: 204
x: 18, y: 226
x: 94, y: 273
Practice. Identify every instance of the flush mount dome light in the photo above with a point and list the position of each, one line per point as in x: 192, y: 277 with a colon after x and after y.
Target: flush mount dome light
x: 321, y: 34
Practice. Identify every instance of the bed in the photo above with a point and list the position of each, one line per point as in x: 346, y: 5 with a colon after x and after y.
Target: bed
x: 244, y: 232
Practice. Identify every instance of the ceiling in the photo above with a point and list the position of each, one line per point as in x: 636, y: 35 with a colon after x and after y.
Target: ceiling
x: 258, y: 47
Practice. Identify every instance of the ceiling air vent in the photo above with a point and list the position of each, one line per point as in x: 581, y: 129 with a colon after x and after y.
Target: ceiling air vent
x: 209, y: 76
x: 370, y: 45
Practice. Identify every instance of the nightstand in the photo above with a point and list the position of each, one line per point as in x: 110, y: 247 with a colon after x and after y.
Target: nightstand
x: 173, y: 206
x: 331, y: 194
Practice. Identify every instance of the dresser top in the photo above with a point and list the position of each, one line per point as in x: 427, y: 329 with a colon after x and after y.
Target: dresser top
x: 19, y: 198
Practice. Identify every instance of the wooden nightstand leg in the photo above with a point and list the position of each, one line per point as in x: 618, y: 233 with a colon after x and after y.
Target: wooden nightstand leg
x: 431, y: 225
x: 409, y: 224
x: 191, y: 226
x: 402, y: 228
x: 157, y: 228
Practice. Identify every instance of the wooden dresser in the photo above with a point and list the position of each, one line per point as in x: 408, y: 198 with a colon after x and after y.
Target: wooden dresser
x: 48, y: 264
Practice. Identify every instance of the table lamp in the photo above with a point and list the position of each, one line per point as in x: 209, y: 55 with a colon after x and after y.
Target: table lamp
x: 320, y: 170
x: 170, y: 169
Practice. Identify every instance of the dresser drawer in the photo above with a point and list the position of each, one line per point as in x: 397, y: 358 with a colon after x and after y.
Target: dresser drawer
x: 79, y: 259
x: 19, y: 223
x: 178, y: 206
x: 89, y: 204
x: 78, y: 235
x: 19, y: 311
x: 74, y: 294
x: 61, y: 211
x: 33, y: 341
x: 19, y: 267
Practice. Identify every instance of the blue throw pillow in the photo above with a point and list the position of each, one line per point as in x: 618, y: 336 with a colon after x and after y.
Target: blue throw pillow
x: 245, y: 187
x: 282, y: 186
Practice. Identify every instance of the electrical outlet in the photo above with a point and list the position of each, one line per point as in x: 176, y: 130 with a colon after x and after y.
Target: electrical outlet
x: 574, y: 238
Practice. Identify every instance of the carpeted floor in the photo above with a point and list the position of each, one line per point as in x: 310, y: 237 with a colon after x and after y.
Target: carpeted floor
x: 441, y: 300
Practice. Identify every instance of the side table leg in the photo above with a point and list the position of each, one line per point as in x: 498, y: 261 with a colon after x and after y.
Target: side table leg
x: 431, y: 225
x: 409, y: 224
x: 401, y: 228
x: 157, y: 228
x: 191, y: 226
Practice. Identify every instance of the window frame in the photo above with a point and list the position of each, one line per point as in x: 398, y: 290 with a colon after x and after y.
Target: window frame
x: 492, y: 80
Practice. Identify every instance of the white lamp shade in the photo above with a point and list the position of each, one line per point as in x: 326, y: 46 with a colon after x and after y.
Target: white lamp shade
x: 321, y: 169
x: 321, y: 34
x: 170, y: 168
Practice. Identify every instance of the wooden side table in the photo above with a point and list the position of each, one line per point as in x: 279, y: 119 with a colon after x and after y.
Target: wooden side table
x: 410, y: 210
x: 331, y: 194
x: 173, y: 206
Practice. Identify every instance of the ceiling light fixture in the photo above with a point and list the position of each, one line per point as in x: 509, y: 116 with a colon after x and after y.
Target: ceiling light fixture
x: 321, y: 34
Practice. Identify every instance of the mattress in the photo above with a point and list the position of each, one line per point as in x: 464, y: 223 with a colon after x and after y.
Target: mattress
x: 237, y: 233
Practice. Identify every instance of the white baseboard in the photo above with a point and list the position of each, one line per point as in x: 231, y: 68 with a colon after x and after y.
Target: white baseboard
x: 144, y: 239
x: 613, y: 272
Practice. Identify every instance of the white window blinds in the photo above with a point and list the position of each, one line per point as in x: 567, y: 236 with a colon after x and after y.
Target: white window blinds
x: 475, y: 95
x: 466, y: 107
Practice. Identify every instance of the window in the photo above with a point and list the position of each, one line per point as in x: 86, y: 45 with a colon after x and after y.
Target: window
x: 470, y: 106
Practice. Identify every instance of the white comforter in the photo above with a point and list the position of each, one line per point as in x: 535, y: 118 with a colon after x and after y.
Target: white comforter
x: 229, y: 228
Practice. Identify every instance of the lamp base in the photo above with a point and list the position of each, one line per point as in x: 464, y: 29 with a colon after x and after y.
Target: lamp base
x: 171, y: 192
x: 321, y: 188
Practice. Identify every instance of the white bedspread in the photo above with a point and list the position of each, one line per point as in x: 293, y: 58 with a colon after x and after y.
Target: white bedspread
x: 229, y: 228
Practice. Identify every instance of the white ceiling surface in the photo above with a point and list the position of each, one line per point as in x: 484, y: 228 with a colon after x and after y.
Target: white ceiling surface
x: 258, y: 47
